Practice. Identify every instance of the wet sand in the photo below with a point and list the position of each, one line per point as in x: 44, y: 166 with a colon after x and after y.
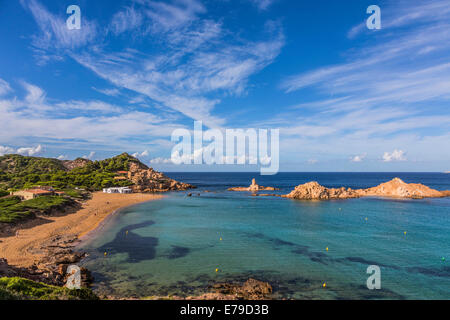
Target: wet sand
x: 23, y: 250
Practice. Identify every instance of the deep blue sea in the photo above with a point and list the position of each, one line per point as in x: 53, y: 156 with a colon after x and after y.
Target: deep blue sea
x: 180, y: 245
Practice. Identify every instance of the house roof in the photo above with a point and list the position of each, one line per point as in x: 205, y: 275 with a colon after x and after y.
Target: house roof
x: 37, y: 191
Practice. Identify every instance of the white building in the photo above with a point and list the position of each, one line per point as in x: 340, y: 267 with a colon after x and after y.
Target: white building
x: 118, y: 190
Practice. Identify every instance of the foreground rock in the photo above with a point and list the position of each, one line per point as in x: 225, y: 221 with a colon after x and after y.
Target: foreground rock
x: 149, y: 180
x: 254, y: 187
x: 250, y: 290
x: 395, y: 188
x: 57, y: 254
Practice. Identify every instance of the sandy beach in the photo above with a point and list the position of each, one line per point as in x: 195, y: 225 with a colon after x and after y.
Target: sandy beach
x: 23, y: 250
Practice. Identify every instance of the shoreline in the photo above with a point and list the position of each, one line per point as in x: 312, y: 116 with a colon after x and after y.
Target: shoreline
x: 36, y: 237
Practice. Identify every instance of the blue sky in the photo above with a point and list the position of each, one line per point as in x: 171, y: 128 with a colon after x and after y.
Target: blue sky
x: 344, y: 97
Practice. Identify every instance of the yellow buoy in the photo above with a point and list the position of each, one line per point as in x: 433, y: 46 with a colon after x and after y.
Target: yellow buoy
x: 217, y: 270
x: 126, y: 232
x: 366, y: 219
x: 324, y: 285
x: 105, y: 254
x: 326, y: 249
x: 404, y: 233
x: 220, y: 239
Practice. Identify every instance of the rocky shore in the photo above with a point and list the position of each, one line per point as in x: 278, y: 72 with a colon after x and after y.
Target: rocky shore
x: 147, y: 179
x: 58, y: 254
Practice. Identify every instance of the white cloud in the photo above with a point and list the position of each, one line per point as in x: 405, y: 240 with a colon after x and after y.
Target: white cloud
x: 396, y: 155
x: 358, y: 158
x: 313, y: 161
x: 89, y: 156
x: 62, y: 157
x: 35, y: 95
x: 143, y: 154
x: 30, y: 151
x: 6, y: 150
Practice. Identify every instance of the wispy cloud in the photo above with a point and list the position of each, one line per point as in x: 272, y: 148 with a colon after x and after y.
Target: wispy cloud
x: 4, y: 87
x: 54, y: 36
x: 263, y: 4
x: 114, y: 92
x: 393, y: 87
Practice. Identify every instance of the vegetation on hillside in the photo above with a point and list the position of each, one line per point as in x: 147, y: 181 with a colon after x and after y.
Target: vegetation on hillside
x: 12, y: 209
x: 16, y: 288
x: 19, y: 172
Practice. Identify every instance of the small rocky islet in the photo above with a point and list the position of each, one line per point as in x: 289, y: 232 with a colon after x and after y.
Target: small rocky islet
x: 396, y: 188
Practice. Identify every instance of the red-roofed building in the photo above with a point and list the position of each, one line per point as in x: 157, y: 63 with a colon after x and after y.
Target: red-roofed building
x: 32, y: 193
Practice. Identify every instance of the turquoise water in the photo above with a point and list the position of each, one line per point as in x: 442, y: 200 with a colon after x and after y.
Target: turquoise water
x: 173, y: 246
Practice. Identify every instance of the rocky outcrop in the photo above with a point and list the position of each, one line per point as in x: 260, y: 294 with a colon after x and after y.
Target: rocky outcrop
x: 57, y: 255
x: 314, y: 191
x: 254, y: 187
x: 149, y: 180
x: 395, y: 188
x: 77, y: 163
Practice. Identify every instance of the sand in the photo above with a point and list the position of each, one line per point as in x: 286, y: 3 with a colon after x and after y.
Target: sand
x: 20, y: 250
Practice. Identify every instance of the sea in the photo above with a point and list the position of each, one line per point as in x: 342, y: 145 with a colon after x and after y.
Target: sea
x: 181, y: 245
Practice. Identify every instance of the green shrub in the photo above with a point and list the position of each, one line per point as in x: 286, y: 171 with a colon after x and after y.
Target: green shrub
x: 13, y: 210
x: 20, y: 288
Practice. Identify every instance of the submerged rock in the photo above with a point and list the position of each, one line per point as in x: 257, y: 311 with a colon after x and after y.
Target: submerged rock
x: 250, y: 290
